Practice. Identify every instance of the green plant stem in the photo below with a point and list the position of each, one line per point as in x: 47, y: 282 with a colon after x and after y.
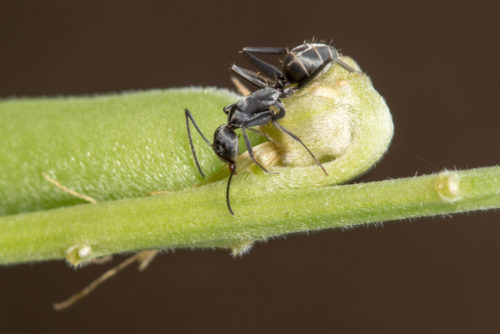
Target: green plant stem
x: 197, y: 217
x: 118, y: 148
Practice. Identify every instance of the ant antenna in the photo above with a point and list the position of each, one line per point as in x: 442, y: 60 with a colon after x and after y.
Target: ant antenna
x: 232, y: 167
x: 190, y: 117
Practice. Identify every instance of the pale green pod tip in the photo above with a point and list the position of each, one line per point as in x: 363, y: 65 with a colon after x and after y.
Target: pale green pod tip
x: 341, y: 118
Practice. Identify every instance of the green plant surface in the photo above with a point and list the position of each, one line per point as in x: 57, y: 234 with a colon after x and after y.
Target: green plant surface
x: 107, y: 147
x: 197, y: 217
x: 119, y: 148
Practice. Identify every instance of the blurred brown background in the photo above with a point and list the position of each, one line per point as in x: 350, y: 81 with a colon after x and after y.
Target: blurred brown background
x: 435, y: 62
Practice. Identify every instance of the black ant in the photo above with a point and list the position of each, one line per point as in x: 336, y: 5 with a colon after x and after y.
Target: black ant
x: 300, y: 64
x: 251, y: 111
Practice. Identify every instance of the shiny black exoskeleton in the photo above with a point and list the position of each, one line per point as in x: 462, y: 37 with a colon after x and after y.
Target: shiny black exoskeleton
x: 300, y: 64
x: 261, y: 107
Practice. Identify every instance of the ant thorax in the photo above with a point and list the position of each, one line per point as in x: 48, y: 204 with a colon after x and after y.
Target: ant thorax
x: 259, y: 100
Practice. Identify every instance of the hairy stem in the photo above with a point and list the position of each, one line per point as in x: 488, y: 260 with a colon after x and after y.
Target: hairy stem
x: 186, y: 218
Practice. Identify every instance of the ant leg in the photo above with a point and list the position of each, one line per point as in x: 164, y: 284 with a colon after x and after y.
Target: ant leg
x: 232, y: 167
x: 302, y: 143
x: 250, y: 151
x: 251, y: 76
x: 190, y: 117
x: 265, y: 67
x: 345, y: 65
x: 265, y: 50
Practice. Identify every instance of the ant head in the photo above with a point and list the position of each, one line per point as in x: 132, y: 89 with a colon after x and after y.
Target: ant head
x: 225, y: 144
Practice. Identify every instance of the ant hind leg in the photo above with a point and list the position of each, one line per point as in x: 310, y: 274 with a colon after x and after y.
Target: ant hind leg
x: 279, y: 126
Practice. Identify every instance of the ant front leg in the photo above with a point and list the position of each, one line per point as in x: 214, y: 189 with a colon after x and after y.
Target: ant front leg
x: 250, y: 76
x: 250, y: 151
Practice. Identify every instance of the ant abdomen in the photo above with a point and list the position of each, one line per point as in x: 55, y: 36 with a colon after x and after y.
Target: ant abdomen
x: 304, y: 62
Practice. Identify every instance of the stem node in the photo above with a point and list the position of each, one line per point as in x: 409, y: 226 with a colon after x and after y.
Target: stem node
x: 78, y: 254
x: 447, y: 186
